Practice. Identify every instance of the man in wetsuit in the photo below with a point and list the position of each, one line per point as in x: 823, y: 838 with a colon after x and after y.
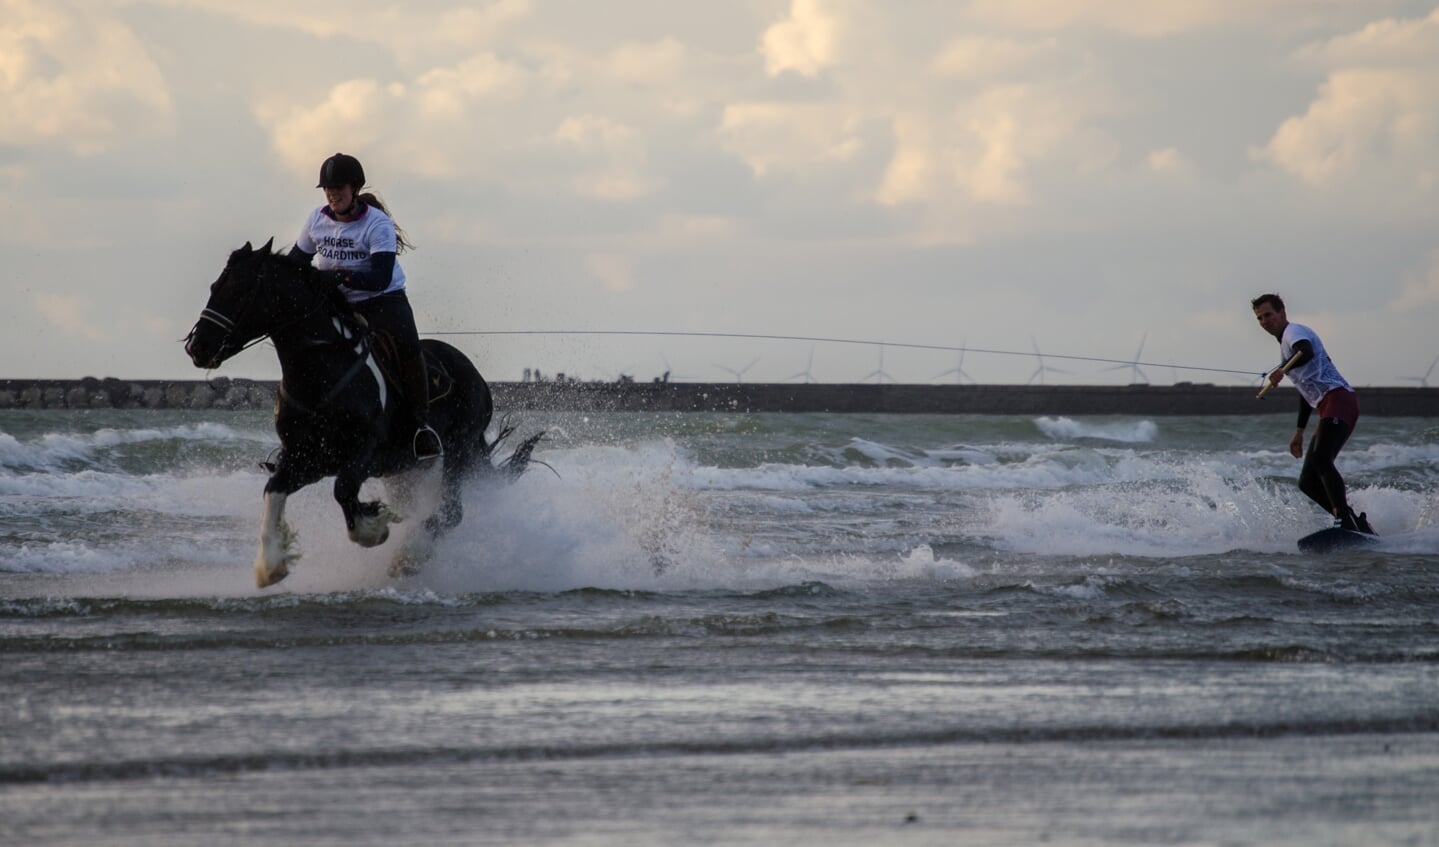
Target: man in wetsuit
x: 1320, y: 387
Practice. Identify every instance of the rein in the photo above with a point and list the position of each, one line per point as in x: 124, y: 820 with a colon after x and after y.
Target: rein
x: 228, y: 325
x: 364, y: 351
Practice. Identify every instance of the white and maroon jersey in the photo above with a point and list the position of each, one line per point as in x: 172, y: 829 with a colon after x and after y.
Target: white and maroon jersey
x: 347, y: 245
x: 1316, y: 377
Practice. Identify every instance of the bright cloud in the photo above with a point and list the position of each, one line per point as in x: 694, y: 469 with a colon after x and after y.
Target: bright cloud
x: 78, y: 79
x: 1377, y: 113
x: 805, y: 42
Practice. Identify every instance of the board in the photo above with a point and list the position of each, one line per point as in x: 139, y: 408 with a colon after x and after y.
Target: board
x: 1335, y: 538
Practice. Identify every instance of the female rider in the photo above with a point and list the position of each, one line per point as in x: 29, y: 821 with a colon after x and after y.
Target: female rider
x: 353, y: 237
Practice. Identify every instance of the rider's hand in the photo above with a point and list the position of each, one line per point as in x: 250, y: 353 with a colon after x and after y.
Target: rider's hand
x: 1296, y: 444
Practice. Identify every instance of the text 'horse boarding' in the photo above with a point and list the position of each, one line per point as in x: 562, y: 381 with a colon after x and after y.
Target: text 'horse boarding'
x: 335, y: 413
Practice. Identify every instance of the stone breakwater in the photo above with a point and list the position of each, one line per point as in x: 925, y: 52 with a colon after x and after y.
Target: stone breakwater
x: 112, y: 393
x: 1182, y: 399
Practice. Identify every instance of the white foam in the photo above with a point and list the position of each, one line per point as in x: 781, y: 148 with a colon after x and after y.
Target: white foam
x: 646, y: 514
x: 1126, y: 432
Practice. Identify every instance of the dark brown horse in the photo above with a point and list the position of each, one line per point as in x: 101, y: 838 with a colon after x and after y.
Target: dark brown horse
x: 337, y: 414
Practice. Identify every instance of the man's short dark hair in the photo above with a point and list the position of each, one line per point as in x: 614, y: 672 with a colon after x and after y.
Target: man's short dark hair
x: 1272, y: 299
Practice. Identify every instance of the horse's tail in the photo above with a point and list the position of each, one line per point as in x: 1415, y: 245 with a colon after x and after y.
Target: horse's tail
x: 519, y: 460
x: 470, y: 408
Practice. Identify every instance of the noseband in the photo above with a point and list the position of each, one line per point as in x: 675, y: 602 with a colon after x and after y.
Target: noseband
x: 228, y: 326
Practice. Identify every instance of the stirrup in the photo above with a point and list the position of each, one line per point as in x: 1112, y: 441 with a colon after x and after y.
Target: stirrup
x: 426, y: 444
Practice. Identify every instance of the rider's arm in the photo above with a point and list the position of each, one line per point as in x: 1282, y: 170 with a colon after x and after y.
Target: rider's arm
x: 375, y: 278
x: 1304, y: 411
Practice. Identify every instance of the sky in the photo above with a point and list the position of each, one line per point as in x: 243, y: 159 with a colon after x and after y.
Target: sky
x: 625, y: 187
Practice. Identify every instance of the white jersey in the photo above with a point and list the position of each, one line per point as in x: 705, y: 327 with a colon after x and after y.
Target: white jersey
x: 1316, y: 377
x: 347, y: 245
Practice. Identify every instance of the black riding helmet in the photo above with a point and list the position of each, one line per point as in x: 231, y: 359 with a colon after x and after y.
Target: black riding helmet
x: 341, y: 169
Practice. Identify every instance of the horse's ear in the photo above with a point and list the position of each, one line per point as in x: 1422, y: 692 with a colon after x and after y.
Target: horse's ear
x: 268, y: 245
x: 246, y: 250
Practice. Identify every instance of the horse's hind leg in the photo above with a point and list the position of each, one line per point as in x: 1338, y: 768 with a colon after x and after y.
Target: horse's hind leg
x: 420, y: 545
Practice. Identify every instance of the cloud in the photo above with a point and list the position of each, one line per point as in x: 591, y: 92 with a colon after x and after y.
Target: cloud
x: 1169, y: 162
x: 989, y: 150
x: 792, y: 136
x: 979, y: 57
x: 647, y: 64
x: 695, y: 228
x: 806, y: 42
x: 439, y: 125
x: 76, y: 77
x: 412, y: 32
x: 1146, y: 18
x: 68, y: 314
x: 1376, y: 116
x: 447, y: 94
x: 1383, y: 43
x: 349, y: 118
x: 595, y: 132
x: 613, y: 154
x: 909, y: 174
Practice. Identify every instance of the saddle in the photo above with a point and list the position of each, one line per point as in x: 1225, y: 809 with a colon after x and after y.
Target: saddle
x: 388, y: 357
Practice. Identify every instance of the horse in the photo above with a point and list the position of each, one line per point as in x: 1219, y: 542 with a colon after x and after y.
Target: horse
x: 336, y: 412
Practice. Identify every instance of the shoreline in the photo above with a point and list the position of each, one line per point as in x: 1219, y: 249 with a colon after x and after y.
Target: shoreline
x: 224, y: 393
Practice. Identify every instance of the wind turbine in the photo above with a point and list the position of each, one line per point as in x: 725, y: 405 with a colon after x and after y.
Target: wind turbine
x: 960, y: 374
x: 1422, y: 380
x: 738, y: 374
x: 881, y: 374
x: 1040, y: 371
x: 1133, y: 366
x: 805, y: 374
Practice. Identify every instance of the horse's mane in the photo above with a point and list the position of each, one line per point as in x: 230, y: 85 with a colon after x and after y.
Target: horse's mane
x: 268, y: 251
x: 307, y: 272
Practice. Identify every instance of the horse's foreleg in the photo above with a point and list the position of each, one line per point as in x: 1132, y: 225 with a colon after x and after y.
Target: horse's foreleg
x: 272, y: 563
x: 368, y: 523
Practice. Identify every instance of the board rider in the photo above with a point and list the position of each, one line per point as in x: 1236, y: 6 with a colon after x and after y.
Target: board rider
x: 1320, y: 386
x: 353, y: 238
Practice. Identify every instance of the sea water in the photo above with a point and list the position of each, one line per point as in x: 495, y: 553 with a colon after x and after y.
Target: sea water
x: 726, y: 629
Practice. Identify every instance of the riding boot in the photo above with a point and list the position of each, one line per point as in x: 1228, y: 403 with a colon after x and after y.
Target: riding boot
x: 415, y: 385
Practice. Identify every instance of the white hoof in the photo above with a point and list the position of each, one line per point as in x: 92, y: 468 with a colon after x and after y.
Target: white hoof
x: 266, y: 575
x: 276, y: 556
x: 374, y: 530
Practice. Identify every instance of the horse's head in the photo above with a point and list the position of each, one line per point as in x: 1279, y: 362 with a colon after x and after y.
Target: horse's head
x: 256, y: 292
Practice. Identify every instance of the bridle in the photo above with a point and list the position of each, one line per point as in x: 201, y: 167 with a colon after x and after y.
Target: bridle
x: 229, y: 326
x: 228, y: 348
